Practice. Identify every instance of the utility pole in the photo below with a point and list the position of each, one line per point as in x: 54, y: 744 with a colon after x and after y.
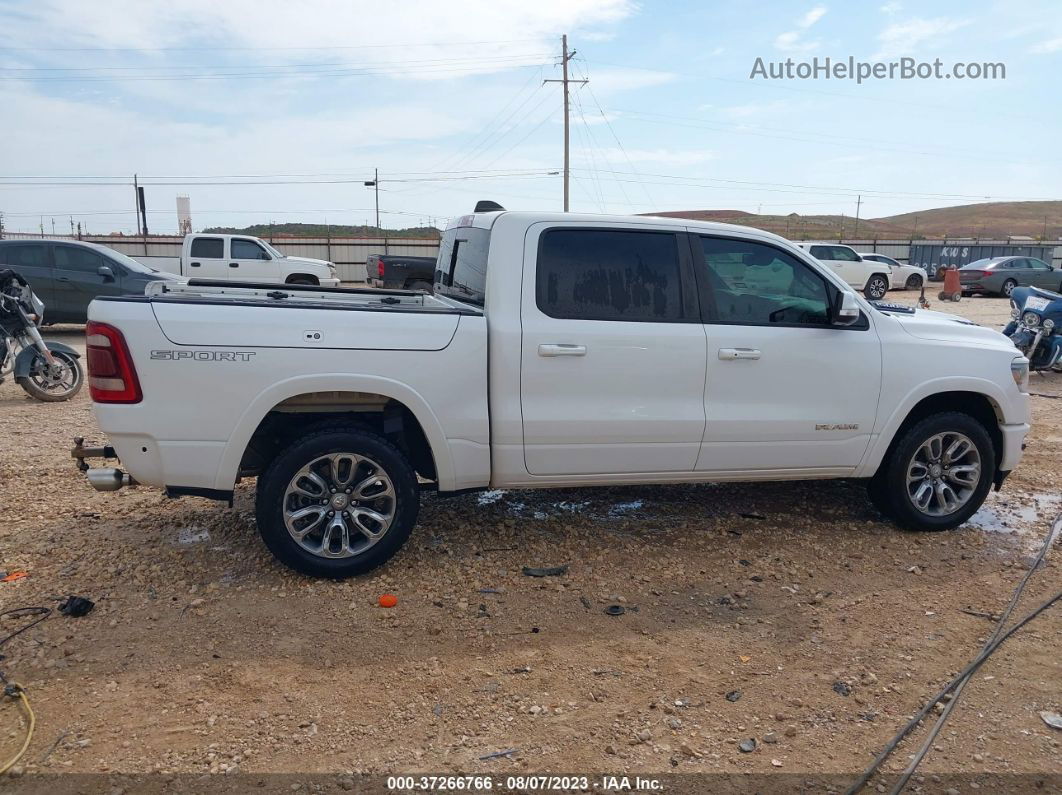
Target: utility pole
x: 859, y: 201
x: 375, y: 183
x: 136, y: 204
x: 565, y: 57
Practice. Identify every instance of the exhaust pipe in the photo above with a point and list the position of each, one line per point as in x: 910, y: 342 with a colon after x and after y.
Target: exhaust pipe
x: 108, y: 479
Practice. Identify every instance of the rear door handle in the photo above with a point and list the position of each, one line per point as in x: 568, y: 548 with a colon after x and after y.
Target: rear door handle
x: 234, y: 264
x: 561, y: 349
x: 62, y: 279
x: 730, y: 354
x: 194, y: 264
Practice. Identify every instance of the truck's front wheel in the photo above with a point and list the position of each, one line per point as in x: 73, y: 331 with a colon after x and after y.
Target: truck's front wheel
x: 937, y: 474
x: 339, y: 502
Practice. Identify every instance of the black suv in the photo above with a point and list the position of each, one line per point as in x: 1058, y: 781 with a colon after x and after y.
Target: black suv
x: 67, y: 274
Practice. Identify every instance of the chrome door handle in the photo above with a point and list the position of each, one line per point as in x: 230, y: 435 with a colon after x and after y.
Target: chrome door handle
x: 561, y: 349
x: 730, y: 354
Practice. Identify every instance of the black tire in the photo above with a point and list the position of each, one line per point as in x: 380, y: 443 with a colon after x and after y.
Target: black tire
x: 890, y: 493
x: 273, y: 488
x: 879, y: 498
x: 914, y: 282
x: 1008, y: 286
x: 35, y: 390
x: 876, y: 287
x: 307, y: 280
x: 420, y: 284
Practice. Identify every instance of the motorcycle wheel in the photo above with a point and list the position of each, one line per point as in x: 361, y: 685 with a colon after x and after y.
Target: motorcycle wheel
x: 64, y: 385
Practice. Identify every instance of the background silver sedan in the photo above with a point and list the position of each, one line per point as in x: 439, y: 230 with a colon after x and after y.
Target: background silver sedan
x: 1000, y: 275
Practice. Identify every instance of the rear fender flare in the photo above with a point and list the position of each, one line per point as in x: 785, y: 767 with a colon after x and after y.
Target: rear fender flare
x: 253, y: 415
x: 26, y: 357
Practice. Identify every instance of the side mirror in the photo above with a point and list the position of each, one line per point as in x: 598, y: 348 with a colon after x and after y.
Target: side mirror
x: 106, y: 272
x: 846, y: 309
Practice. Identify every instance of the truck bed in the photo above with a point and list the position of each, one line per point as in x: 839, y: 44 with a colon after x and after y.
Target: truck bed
x: 214, y: 358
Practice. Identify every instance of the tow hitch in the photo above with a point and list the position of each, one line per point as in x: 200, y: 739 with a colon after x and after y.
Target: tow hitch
x: 103, y: 478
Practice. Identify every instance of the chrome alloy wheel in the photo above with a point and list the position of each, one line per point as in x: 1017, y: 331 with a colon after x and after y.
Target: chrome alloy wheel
x: 943, y: 474
x: 339, y: 505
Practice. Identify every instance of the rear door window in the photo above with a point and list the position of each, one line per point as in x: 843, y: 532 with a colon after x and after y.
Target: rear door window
x: 609, y: 274
x: 25, y: 255
x: 208, y: 248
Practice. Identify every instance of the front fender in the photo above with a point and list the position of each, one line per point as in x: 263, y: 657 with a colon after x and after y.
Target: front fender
x: 1012, y: 407
x: 24, y: 360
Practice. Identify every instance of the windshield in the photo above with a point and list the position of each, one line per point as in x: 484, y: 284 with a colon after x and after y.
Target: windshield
x: 276, y: 254
x: 981, y: 263
x: 127, y: 262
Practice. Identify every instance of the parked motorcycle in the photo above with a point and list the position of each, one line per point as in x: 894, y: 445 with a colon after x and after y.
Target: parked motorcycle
x: 47, y: 371
x: 1036, y: 329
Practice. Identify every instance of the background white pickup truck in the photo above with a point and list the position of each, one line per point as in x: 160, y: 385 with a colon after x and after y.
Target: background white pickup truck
x: 559, y: 350
x: 240, y: 258
x: 872, y: 278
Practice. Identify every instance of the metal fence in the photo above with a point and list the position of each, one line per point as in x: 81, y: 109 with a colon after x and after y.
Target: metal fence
x: 901, y: 249
x: 348, y: 253
x: 351, y: 253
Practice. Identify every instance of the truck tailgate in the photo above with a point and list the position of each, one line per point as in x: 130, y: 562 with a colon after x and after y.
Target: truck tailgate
x: 279, y: 326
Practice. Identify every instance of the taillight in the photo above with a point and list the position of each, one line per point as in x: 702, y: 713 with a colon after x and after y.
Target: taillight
x: 379, y: 268
x: 111, y: 375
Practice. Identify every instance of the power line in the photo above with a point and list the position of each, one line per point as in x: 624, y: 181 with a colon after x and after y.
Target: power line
x: 315, y: 65
x: 226, y: 48
x: 380, y: 71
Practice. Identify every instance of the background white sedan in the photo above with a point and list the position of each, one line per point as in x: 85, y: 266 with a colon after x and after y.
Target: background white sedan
x: 903, y: 277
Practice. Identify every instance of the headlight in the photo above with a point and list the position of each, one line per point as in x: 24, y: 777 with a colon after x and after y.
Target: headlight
x: 1048, y: 323
x: 1031, y: 319
x: 1019, y: 369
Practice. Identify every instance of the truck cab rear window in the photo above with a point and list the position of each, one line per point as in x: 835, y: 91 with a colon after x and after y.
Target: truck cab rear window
x: 461, y: 270
x: 609, y: 274
x: 208, y: 248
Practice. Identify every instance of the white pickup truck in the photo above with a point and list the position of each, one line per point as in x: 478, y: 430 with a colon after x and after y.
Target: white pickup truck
x: 558, y: 350
x: 873, y: 279
x: 240, y: 258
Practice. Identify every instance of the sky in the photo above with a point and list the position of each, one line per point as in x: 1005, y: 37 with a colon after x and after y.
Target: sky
x: 265, y: 111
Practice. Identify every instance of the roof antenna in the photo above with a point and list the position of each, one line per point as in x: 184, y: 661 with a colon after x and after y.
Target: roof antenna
x: 487, y: 206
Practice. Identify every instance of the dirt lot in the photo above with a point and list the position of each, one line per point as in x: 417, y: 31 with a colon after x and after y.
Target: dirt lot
x: 204, y: 655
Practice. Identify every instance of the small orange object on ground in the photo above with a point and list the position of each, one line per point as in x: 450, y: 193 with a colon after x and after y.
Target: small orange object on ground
x: 15, y: 575
x: 388, y: 600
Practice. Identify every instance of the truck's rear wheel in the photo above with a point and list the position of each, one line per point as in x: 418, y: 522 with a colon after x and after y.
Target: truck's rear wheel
x: 938, y: 473
x: 339, y: 502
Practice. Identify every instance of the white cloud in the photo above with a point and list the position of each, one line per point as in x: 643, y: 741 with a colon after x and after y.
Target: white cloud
x: 811, y: 17
x: 903, y: 38
x: 331, y: 30
x: 1051, y: 45
x: 891, y: 8
x: 793, y: 40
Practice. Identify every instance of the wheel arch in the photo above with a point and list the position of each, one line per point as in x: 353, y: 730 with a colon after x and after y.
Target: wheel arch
x: 294, y: 278
x: 389, y: 407
x: 977, y: 403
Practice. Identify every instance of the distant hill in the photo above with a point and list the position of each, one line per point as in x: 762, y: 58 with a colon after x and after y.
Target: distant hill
x: 989, y: 220
x: 321, y: 230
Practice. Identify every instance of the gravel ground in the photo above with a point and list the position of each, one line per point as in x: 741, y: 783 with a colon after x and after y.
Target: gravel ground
x: 826, y: 626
